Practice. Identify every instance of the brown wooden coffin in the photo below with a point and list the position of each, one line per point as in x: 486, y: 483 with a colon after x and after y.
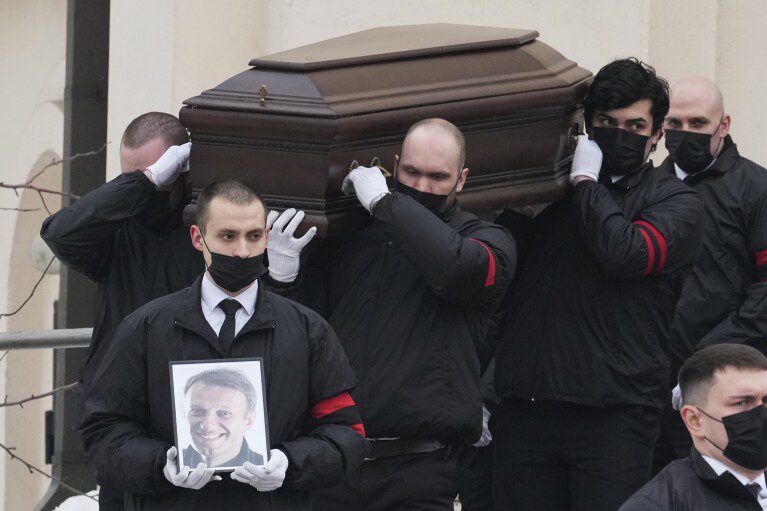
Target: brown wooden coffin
x: 293, y: 123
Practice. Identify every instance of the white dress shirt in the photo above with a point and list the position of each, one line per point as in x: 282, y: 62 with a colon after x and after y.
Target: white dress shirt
x: 720, y: 468
x: 681, y: 174
x: 212, y: 295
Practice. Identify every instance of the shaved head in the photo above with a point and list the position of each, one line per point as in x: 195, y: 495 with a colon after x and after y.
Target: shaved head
x: 441, y: 135
x: 697, y: 106
x: 698, y: 90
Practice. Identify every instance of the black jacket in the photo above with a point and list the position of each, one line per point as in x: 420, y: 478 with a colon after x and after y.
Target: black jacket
x: 691, y: 484
x: 725, y: 297
x: 123, y: 237
x: 410, y: 296
x: 592, y: 305
x: 128, y: 423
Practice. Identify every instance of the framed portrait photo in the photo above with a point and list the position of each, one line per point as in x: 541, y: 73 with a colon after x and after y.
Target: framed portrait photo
x: 219, y: 412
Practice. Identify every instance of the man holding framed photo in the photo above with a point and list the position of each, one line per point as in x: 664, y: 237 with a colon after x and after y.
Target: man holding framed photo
x: 315, y: 432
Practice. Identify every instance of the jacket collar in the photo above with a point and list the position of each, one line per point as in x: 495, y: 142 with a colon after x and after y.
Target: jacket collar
x: 190, y: 316
x: 726, y: 483
x: 627, y: 181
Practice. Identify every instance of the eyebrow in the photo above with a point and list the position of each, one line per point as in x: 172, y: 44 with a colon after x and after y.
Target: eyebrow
x: 636, y: 119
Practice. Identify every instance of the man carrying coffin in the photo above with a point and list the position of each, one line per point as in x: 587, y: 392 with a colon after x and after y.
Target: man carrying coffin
x: 316, y: 436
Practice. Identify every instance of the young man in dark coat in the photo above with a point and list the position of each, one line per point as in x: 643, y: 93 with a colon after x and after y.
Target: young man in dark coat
x: 128, y: 237
x: 581, y: 369
x: 725, y: 297
x: 315, y: 431
x: 724, y: 391
x: 411, y: 295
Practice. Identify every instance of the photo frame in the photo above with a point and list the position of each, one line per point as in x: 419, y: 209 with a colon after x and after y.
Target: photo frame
x: 219, y: 412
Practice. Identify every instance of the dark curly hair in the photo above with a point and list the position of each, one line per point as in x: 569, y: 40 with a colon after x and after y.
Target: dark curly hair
x: 622, y: 83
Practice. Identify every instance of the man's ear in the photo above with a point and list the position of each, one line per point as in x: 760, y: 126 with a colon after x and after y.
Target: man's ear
x: 691, y: 417
x: 250, y: 419
x: 196, y: 236
x: 726, y: 121
x: 462, y: 179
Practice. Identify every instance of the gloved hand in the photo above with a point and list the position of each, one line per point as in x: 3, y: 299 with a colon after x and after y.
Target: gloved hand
x: 186, y: 477
x: 165, y: 170
x: 676, y: 397
x: 268, y: 477
x: 587, y: 159
x: 368, y: 183
x: 283, y: 249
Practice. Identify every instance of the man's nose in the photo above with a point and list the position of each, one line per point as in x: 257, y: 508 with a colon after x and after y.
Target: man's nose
x: 422, y: 184
x: 208, y: 422
x: 241, y: 249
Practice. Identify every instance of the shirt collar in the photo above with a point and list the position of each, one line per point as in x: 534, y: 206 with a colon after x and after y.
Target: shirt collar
x: 720, y: 468
x: 629, y: 180
x: 212, y: 295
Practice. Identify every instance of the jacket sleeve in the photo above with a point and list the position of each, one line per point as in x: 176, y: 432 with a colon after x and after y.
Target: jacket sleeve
x: 334, y: 444
x: 114, y: 426
x: 748, y: 323
x: 662, y: 239
x: 473, y: 269
x: 81, y: 234
x: 641, y: 503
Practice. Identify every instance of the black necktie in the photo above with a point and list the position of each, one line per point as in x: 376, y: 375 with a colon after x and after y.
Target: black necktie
x: 226, y: 334
x: 753, y: 489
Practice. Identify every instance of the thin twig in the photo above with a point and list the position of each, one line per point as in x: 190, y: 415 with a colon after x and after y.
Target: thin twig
x: 33, y: 469
x: 25, y: 186
x: 71, y: 158
x: 5, y: 315
x: 21, y: 402
x: 4, y: 354
x: 20, y: 210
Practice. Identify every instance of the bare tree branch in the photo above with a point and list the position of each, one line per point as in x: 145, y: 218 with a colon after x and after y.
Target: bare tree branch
x: 25, y: 186
x: 3, y: 356
x: 20, y: 210
x: 21, y: 402
x: 71, y: 158
x: 32, y: 469
x: 45, y: 272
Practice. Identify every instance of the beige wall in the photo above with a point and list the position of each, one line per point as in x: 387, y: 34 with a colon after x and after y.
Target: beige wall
x: 32, y: 36
x: 164, y: 51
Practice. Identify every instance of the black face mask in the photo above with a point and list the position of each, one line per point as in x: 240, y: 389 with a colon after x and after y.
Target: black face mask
x: 235, y: 273
x: 747, y: 435
x: 437, y: 204
x: 623, y: 152
x: 690, y: 151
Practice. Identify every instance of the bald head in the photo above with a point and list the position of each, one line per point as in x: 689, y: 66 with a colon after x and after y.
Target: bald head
x: 432, y: 159
x: 697, y: 106
x: 699, y: 91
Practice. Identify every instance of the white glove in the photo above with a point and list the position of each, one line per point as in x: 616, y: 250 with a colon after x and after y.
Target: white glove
x: 283, y: 249
x: 368, y: 183
x: 587, y: 160
x: 267, y: 477
x: 486, y: 436
x: 676, y: 397
x: 186, y: 477
x: 165, y: 171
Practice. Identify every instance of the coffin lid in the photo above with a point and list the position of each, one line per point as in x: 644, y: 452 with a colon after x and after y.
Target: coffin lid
x: 393, y: 43
x: 393, y: 68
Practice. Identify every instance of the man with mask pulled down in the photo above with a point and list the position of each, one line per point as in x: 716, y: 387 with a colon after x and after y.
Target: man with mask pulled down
x: 411, y: 295
x: 725, y: 297
x: 724, y: 391
x: 129, y: 238
x: 315, y: 433
x: 581, y: 370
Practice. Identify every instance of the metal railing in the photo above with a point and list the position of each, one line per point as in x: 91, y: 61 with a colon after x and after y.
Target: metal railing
x: 41, y: 339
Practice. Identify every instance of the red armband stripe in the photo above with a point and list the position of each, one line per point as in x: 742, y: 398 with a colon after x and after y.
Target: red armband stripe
x: 650, y: 252
x: 761, y: 258
x: 331, y: 404
x: 359, y: 428
x: 490, y: 280
x: 661, y: 244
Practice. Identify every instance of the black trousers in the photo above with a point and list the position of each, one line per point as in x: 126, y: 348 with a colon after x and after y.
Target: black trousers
x: 561, y: 456
x: 475, y: 478
x: 409, y: 482
x: 674, y: 441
